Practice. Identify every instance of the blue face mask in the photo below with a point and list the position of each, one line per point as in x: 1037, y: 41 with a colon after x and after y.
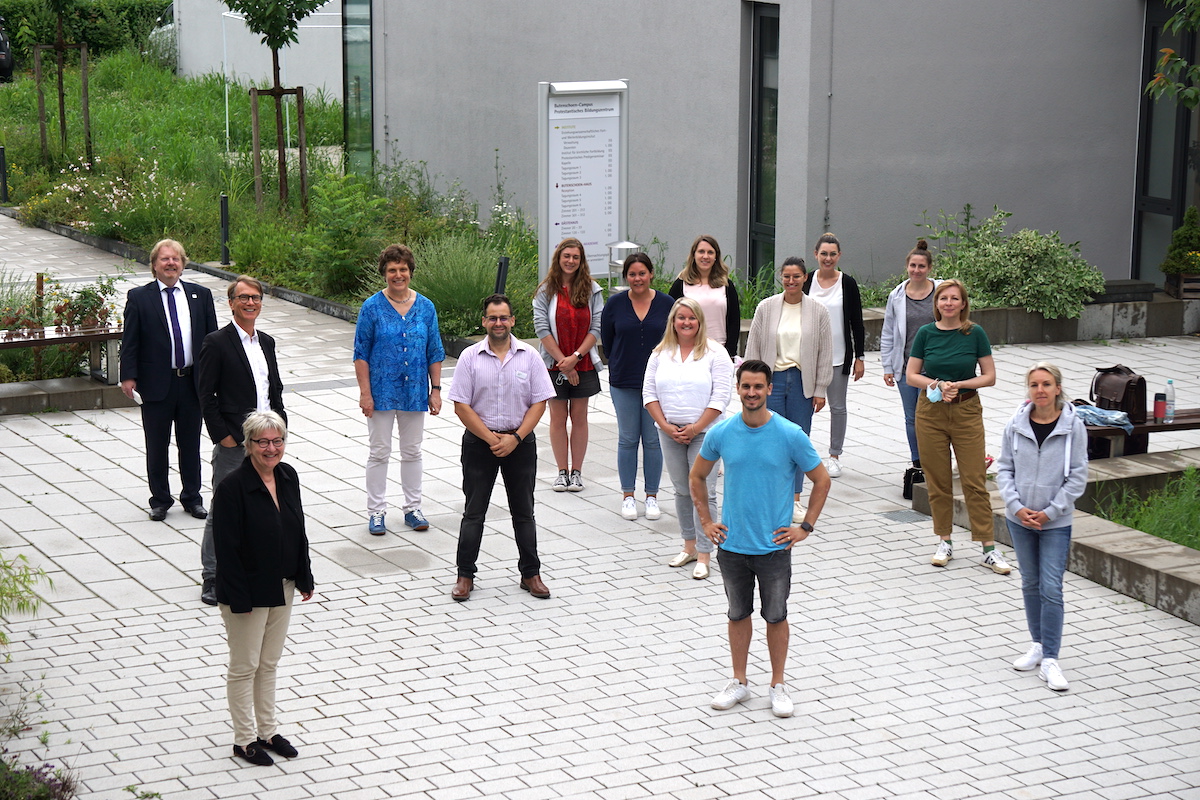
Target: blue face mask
x: 934, y: 393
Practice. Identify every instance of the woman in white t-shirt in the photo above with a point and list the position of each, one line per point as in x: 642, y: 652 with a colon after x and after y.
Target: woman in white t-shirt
x: 705, y: 279
x: 838, y: 292
x: 688, y: 383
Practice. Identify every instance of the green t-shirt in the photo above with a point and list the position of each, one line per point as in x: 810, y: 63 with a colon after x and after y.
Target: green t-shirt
x: 950, y: 355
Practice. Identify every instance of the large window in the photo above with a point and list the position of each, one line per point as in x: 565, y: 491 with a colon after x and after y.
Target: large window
x: 356, y: 90
x: 1168, y: 177
x: 764, y: 136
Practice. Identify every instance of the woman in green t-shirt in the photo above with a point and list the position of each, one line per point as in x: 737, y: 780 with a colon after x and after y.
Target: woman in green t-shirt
x: 952, y: 360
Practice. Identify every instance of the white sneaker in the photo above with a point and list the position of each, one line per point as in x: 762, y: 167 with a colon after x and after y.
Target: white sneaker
x: 629, y: 508
x: 944, y: 553
x: 1051, y: 673
x: 1031, y: 659
x: 733, y: 693
x: 561, y: 482
x: 653, y: 512
x: 996, y: 563
x: 781, y: 704
x: 798, y: 512
x: 833, y: 467
x: 575, y: 482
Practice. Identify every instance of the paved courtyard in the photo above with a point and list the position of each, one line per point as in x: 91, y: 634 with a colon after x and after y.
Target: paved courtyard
x: 390, y: 689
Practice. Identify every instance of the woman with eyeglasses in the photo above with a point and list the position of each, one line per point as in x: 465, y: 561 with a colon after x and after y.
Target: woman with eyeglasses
x: 398, y: 357
x: 566, y: 318
x: 262, y: 561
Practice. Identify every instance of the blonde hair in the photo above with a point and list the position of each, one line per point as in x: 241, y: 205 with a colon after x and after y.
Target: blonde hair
x: 964, y: 319
x: 670, y: 340
x: 1055, y: 372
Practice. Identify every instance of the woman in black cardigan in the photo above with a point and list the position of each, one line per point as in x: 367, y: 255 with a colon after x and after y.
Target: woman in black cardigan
x: 839, y: 293
x: 705, y: 279
x: 262, y: 560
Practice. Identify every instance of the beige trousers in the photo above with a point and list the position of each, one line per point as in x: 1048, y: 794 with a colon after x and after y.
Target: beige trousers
x: 255, y: 645
x: 941, y: 426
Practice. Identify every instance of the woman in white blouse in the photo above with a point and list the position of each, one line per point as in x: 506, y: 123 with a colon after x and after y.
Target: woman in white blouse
x: 689, y: 380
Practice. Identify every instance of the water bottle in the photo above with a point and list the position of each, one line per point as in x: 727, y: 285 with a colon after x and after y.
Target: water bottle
x: 1170, y: 415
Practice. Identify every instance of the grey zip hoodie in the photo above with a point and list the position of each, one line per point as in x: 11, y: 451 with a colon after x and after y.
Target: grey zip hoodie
x: 1050, y: 478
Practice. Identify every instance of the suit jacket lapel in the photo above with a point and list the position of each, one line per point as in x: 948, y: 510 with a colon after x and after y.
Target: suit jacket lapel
x: 235, y: 336
x: 160, y: 310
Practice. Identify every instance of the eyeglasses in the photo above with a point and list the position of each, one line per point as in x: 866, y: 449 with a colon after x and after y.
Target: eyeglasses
x: 494, y: 320
x: 265, y: 443
x: 248, y: 298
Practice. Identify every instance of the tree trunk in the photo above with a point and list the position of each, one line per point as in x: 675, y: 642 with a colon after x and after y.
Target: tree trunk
x: 277, y: 90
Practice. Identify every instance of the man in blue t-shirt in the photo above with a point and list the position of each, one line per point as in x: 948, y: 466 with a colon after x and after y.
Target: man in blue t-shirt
x: 762, y: 452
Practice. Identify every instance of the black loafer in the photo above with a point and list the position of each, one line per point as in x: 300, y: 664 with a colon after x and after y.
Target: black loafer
x: 280, y: 745
x: 208, y: 592
x: 198, y: 511
x: 254, y: 754
x: 158, y: 514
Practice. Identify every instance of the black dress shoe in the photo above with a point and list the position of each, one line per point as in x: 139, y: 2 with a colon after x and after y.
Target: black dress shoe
x: 208, y: 592
x: 254, y: 754
x: 198, y: 511
x: 280, y: 745
x: 158, y: 514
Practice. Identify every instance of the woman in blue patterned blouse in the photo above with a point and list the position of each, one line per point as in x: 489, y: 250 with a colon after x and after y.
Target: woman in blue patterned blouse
x: 398, y: 359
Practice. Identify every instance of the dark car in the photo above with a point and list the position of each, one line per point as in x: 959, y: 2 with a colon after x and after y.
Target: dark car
x: 7, y: 62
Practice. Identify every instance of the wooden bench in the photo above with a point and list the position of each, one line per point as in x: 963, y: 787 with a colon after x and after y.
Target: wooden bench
x: 104, y: 341
x: 1186, y: 419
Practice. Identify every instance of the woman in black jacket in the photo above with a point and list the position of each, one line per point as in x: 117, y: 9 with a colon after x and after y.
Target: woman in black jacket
x: 838, y: 292
x: 262, y: 560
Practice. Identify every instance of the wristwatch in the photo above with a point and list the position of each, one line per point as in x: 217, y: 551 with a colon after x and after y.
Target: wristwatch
x: 806, y: 527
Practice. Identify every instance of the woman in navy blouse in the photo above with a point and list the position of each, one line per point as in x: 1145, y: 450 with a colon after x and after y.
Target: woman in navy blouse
x: 631, y: 326
x: 398, y: 359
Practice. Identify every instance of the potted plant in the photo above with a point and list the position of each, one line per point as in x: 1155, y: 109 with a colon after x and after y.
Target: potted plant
x: 1182, y: 264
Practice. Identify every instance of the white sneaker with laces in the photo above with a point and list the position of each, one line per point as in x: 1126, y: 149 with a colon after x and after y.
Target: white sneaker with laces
x: 561, y: 482
x: 575, y: 482
x: 798, y: 512
x: 653, y: 512
x: 1052, y: 674
x: 1031, y: 659
x: 996, y: 563
x: 833, y: 467
x: 734, y: 692
x: 944, y: 553
x: 629, y: 508
x: 781, y: 704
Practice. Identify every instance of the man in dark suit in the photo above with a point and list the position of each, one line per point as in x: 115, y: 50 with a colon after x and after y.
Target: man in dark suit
x: 165, y: 324
x: 238, y: 375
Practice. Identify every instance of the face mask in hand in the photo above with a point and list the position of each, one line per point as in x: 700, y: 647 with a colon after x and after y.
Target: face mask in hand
x: 934, y: 393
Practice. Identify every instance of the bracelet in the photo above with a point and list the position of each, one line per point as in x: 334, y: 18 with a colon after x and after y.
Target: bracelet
x: 435, y: 387
x: 518, y: 437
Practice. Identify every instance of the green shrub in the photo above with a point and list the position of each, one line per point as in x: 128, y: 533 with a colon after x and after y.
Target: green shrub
x: 44, y: 782
x: 18, y: 589
x: 344, y: 235
x: 105, y: 26
x: 1183, y: 256
x: 1031, y: 270
x: 456, y: 272
x: 1169, y: 513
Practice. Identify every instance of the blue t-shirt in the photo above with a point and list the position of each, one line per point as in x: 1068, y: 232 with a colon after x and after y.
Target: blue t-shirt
x: 398, y: 350
x: 760, y: 474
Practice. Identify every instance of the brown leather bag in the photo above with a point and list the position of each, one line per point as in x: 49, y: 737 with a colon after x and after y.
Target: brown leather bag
x: 1121, y: 389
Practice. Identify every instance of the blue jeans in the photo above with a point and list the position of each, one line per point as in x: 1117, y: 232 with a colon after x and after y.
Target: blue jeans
x: 1043, y: 560
x: 908, y: 397
x: 634, y: 425
x: 787, y: 399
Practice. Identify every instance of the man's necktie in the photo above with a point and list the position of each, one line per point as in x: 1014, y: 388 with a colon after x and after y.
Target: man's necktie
x: 179, y: 357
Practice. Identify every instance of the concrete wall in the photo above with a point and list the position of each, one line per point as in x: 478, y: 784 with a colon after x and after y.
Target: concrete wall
x: 211, y: 42
x: 935, y: 103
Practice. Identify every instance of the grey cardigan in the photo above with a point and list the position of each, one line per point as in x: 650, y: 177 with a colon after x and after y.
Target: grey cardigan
x: 544, y: 323
x: 816, y: 341
x: 1049, y: 478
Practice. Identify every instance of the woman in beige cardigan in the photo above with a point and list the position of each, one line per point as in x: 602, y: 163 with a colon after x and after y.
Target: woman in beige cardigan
x: 792, y: 333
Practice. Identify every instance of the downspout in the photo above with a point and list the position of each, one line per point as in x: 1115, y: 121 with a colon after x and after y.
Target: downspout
x: 829, y: 118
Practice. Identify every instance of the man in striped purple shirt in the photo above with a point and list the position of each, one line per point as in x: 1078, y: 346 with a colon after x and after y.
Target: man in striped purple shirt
x: 499, y: 391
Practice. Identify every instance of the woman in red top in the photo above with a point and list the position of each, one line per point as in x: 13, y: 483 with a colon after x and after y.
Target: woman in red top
x: 566, y: 318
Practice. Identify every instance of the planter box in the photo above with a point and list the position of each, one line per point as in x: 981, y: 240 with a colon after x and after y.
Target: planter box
x: 1183, y: 287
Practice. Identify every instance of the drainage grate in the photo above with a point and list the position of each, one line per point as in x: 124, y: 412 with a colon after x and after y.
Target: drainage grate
x: 905, y: 516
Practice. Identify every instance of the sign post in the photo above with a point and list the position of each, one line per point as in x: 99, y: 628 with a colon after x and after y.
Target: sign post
x: 583, y: 168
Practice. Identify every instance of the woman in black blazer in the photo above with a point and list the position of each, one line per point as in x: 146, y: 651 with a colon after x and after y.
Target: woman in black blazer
x: 705, y: 279
x: 262, y: 560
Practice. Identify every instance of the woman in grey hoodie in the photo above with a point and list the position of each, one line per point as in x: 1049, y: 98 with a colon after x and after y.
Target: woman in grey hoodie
x: 1042, y: 471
